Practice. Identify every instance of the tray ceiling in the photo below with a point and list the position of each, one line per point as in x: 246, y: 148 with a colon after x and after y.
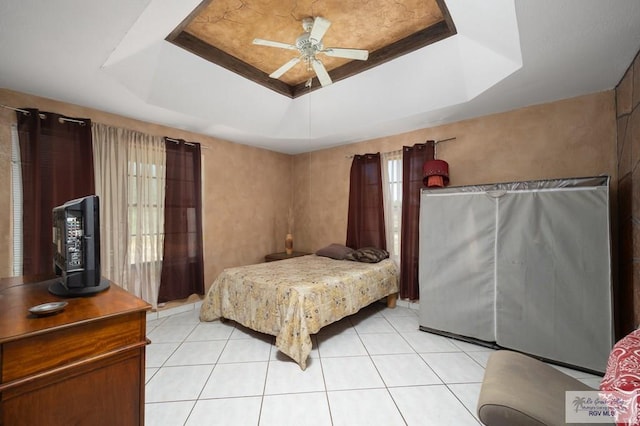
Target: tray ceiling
x: 222, y: 31
x: 506, y: 54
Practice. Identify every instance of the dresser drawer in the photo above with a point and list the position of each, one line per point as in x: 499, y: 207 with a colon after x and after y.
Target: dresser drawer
x: 81, y: 341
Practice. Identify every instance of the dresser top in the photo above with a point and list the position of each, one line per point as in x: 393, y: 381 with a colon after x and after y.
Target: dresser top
x: 19, y: 294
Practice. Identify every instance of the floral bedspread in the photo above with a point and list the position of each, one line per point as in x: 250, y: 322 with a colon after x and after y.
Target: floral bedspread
x: 294, y: 298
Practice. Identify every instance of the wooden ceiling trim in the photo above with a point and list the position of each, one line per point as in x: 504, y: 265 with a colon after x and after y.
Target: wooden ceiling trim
x: 408, y: 44
x: 436, y: 32
x: 212, y: 54
x: 190, y: 17
x: 447, y: 16
x: 415, y: 41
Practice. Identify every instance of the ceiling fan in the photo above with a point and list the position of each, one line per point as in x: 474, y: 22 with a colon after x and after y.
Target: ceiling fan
x: 309, y: 44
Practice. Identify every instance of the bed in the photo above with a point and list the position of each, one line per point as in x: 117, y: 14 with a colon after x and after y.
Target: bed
x: 294, y: 298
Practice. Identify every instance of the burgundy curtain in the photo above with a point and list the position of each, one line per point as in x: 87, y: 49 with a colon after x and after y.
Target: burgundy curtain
x: 57, y: 166
x: 412, y: 160
x: 182, y: 265
x: 365, y: 224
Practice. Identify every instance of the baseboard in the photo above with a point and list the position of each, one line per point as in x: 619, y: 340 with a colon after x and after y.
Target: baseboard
x: 173, y: 310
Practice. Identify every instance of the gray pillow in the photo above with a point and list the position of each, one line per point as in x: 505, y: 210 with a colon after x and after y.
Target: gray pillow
x: 335, y: 251
x: 368, y: 255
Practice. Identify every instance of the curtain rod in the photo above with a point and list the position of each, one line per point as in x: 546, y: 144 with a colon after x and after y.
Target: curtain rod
x: 444, y: 140
x: 24, y: 111
x: 82, y: 123
x: 434, y: 142
x: 186, y: 143
x: 43, y: 116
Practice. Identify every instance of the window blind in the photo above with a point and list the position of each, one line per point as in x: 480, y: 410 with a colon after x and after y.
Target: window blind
x: 16, y: 201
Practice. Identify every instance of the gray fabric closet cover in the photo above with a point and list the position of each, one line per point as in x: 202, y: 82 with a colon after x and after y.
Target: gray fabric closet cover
x: 457, y: 264
x: 523, y: 264
x: 553, y: 290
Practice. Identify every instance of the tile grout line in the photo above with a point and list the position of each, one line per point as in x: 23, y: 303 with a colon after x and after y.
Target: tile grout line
x: 386, y: 387
x: 376, y: 314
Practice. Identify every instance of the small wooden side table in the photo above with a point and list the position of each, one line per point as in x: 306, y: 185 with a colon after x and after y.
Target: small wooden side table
x: 283, y: 255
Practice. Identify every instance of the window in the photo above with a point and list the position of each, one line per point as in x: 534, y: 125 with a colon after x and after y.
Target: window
x: 392, y: 193
x: 16, y: 199
x: 144, y: 221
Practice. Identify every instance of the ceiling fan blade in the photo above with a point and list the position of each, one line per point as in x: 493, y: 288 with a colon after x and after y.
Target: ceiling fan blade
x: 286, y: 67
x: 320, y: 27
x: 339, y: 52
x: 321, y: 72
x: 270, y: 43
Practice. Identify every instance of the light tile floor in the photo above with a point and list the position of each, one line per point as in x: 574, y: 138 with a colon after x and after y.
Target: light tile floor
x: 372, y: 368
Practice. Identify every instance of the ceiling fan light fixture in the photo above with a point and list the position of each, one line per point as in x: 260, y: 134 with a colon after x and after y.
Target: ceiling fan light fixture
x: 309, y: 44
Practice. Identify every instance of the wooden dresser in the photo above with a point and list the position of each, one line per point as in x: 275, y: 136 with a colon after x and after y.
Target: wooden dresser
x: 81, y: 366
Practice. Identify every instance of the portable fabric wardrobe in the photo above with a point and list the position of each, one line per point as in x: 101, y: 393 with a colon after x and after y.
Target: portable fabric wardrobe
x: 524, y: 265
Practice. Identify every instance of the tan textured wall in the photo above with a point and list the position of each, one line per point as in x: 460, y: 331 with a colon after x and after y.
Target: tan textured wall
x: 569, y: 138
x: 628, y: 122
x: 247, y: 190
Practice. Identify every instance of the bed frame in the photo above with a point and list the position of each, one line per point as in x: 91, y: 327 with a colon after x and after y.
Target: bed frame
x: 294, y: 298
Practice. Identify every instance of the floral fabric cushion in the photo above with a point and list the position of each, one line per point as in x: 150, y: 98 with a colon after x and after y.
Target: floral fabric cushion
x: 621, y: 382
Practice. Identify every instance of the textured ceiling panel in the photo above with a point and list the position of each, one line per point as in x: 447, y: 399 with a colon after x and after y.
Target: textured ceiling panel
x: 222, y: 32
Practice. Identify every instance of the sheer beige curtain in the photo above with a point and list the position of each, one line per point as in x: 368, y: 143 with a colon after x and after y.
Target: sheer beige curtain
x: 392, y: 201
x: 130, y: 181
